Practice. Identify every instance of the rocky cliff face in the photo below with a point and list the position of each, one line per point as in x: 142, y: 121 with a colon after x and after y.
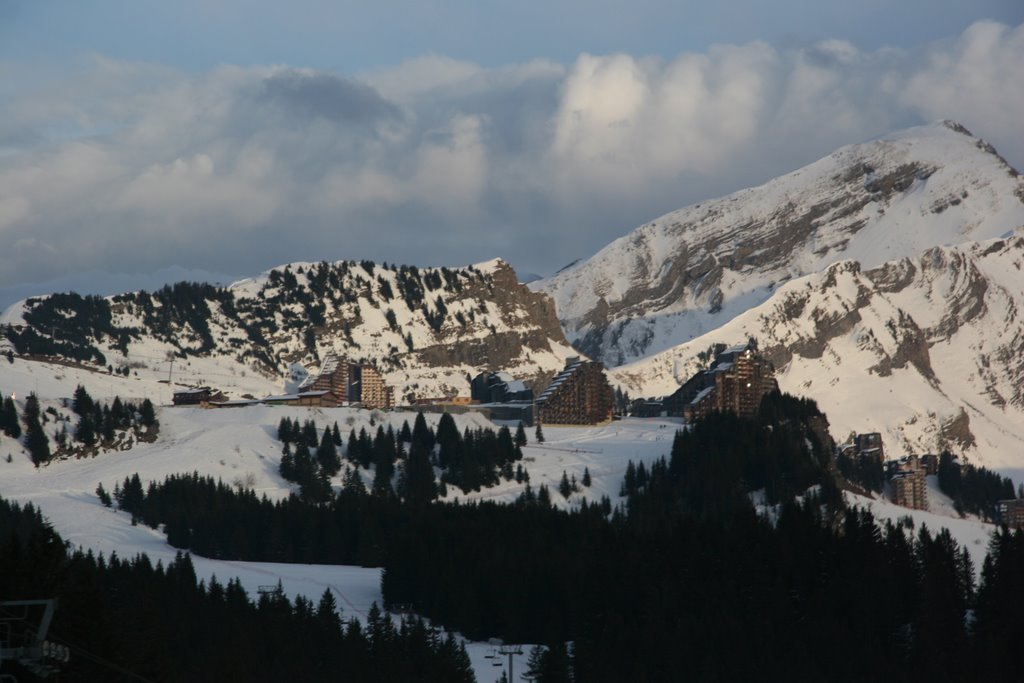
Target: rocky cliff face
x: 929, y: 351
x: 693, y: 270
x: 425, y: 328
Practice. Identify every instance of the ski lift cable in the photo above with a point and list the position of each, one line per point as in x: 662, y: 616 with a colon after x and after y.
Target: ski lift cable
x: 100, y: 660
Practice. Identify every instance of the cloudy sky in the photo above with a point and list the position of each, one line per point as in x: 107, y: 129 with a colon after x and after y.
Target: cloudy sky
x: 144, y: 140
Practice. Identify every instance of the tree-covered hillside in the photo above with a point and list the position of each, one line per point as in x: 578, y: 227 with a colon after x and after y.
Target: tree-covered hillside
x: 687, y: 580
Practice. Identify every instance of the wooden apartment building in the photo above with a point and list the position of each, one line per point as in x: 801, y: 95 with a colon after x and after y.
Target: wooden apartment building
x: 578, y: 395
x: 736, y: 381
x: 350, y: 383
x: 908, y: 483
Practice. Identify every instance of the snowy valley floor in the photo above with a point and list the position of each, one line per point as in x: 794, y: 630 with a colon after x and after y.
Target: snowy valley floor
x: 240, y: 446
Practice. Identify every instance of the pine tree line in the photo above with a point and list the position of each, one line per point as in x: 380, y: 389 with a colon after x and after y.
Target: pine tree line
x: 296, y: 301
x: 405, y: 464
x: 973, y: 489
x: 98, y: 423
x: 865, y: 471
x: 683, y: 582
x: 163, y: 624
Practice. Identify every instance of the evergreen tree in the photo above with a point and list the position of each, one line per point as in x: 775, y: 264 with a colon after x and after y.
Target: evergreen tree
x: 284, y: 430
x: 327, y: 612
x: 364, y: 452
x: 336, y: 435
x: 327, y: 455
x: 36, y: 442
x: 556, y: 665
x: 9, y: 423
x: 147, y: 414
x: 117, y: 412
x: 629, y: 480
x: 309, y: 433
x: 102, y: 494
x: 520, y: 435
x: 82, y: 402
x: 383, y: 465
x: 352, y: 481
x: 418, y: 484
x: 287, y: 466
x: 352, y: 448
x: 421, y: 433
x: 447, y: 432
x: 315, y: 487
x: 535, y: 664
x: 85, y: 432
x: 538, y: 434
x: 563, y: 486
x: 586, y: 477
x: 544, y: 496
x: 131, y: 497
x: 109, y: 424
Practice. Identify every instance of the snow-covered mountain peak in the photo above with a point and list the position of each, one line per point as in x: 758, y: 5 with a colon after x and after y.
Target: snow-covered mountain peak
x: 694, y: 269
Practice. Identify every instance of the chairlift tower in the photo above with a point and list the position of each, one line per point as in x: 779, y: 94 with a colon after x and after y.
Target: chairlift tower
x: 501, y: 649
x: 24, y: 625
x: 510, y: 651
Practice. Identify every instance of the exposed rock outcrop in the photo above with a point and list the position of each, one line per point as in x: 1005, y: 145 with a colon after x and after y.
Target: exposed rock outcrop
x: 695, y: 269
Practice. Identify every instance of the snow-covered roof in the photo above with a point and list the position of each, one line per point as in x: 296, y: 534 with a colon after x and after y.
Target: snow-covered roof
x: 194, y: 390
x: 514, y: 386
x: 330, y: 364
x: 504, y: 377
x: 700, y: 395
x: 561, y: 377
x: 283, y: 397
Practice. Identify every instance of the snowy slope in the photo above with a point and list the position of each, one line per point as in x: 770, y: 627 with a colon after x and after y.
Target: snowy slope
x: 240, y: 446
x: 693, y: 270
x: 426, y: 329
x: 929, y: 351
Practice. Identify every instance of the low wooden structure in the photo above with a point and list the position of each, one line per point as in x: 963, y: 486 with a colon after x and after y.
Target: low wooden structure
x: 314, y: 399
x: 196, y: 396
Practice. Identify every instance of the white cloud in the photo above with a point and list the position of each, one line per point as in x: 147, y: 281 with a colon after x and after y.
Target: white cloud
x: 452, y: 164
x: 978, y: 81
x: 625, y: 123
x: 125, y: 166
